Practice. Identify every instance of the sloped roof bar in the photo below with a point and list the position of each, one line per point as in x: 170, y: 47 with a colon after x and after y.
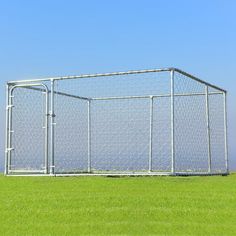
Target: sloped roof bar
x: 199, y: 80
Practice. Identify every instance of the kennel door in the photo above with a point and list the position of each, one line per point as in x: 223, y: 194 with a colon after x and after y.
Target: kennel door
x: 28, y: 129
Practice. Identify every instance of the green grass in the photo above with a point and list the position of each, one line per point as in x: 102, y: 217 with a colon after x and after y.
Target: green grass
x: 118, y: 206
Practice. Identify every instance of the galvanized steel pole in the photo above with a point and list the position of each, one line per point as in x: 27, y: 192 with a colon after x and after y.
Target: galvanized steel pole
x: 89, y: 137
x: 226, y: 134
x: 10, y: 131
x: 6, y: 130
x: 172, y: 123
x: 46, y: 131
x: 52, y: 115
x: 208, y: 130
x: 150, y: 134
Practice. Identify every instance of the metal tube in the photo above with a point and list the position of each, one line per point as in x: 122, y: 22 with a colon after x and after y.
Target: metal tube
x: 59, y: 93
x: 89, y: 137
x: 226, y: 134
x: 6, y: 130
x: 27, y: 171
x: 120, y: 174
x: 70, y: 95
x: 10, y: 106
x: 172, y: 123
x: 93, y: 75
x: 150, y: 134
x: 208, y: 131
x: 155, y: 96
x: 121, y: 97
x: 198, y: 80
x: 52, y: 116
x: 46, y: 131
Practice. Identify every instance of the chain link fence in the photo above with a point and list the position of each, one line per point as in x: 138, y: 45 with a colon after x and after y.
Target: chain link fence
x: 150, y: 122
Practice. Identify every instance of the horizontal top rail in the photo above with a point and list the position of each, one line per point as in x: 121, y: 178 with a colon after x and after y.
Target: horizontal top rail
x: 91, y: 75
x: 156, y: 96
x: 117, y: 97
x: 114, y: 74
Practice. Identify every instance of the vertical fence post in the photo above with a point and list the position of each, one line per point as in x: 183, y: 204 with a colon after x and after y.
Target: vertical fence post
x: 89, y: 136
x: 52, y: 116
x: 10, y: 131
x: 208, y: 129
x: 150, y: 134
x: 172, y: 123
x: 6, y: 130
x: 46, y: 131
x: 226, y: 134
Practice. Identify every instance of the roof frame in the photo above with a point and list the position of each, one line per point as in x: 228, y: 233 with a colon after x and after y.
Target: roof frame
x: 116, y: 73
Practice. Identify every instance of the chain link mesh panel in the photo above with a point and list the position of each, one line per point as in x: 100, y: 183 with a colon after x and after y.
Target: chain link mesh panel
x: 161, y: 153
x: 191, y: 142
x: 120, y: 135
x: 217, y: 142
x: 28, y: 130
x: 71, y: 134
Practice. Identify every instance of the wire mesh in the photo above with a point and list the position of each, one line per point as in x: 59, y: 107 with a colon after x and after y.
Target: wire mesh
x: 70, y: 134
x: 161, y: 154
x: 28, y: 130
x: 216, y: 115
x: 145, y: 84
x: 119, y: 135
x: 191, y: 144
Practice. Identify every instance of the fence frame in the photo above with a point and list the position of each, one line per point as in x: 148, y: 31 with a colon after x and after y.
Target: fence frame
x: 50, y: 122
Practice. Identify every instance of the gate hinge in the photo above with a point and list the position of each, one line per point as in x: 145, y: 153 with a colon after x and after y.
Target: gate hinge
x: 9, y: 149
x: 9, y: 106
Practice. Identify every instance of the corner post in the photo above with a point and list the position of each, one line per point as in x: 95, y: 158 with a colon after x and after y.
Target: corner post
x: 6, y: 130
x: 226, y: 134
x: 208, y: 129
x: 172, y: 121
x: 52, y: 116
x: 10, y: 130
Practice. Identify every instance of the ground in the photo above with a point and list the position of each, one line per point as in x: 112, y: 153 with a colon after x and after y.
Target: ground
x: 118, y: 206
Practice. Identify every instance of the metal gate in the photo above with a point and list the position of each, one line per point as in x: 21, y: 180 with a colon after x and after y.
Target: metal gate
x: 27, y: 144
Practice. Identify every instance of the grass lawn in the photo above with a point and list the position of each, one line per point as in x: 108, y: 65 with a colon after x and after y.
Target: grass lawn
x: 118, y: 206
